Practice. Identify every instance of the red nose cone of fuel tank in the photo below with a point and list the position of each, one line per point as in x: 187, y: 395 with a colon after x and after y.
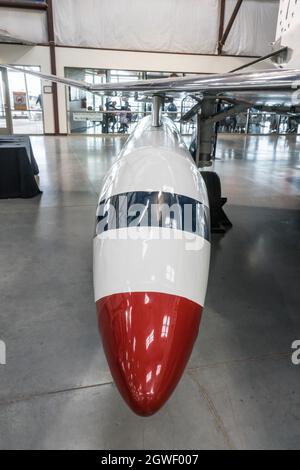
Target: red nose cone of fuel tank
x: 148, y: 338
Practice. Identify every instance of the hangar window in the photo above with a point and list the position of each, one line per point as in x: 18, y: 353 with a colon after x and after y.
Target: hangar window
x: 119, y: 112
x: 24, y: 104
x: 260, y: 123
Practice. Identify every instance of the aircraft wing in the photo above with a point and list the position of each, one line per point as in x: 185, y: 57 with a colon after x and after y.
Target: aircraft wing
x: 216, y: 83
x: 277, y: 85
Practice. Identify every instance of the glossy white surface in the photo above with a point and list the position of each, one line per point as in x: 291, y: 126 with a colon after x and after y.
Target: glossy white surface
x: 155, y: 159
x: 151, y: 259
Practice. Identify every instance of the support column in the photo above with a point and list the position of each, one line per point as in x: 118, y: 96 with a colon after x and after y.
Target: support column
x: 157, y: 102
x: 51, y: 39
x: 6, y: 104
x: 206, y: 134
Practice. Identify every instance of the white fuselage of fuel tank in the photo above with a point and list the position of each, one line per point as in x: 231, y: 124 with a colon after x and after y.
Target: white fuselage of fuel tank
x: 151, y: 262
x: 155, y: 256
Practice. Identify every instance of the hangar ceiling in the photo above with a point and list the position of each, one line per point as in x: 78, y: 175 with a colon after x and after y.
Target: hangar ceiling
x: 181, y: 26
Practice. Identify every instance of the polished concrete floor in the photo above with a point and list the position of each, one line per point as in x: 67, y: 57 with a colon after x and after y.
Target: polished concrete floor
x: 240, y: 389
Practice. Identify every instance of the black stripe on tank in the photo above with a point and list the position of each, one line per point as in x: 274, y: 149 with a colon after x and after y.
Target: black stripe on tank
x: 153, y: 209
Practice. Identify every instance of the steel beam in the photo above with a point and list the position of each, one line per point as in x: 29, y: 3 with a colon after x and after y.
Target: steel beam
x: 217, y: 117
x: 229, y: 26
x: 24, y: 5
x: 282, y: 51
x: 51, y: 39
x: 221, y: 25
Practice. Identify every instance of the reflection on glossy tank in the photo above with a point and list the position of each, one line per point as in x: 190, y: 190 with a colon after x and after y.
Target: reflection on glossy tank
x: 151, y: 261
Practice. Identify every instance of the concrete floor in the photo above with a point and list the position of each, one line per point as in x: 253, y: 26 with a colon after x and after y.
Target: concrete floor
x: 240, y: 389
x: 29, y: 126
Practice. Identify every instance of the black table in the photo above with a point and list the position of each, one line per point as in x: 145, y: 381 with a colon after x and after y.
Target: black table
x: 21, y: 141
x: 17, y: 168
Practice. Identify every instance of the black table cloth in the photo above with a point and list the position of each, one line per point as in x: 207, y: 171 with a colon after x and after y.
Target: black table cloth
x: 17, y: 173
x: 20, y: 141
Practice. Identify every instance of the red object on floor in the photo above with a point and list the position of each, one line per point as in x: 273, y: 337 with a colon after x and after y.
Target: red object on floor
x: 148, y: 338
